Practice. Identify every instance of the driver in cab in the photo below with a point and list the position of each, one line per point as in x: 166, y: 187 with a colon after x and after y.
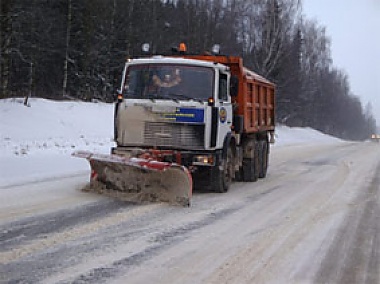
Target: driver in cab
x: 169, y: 80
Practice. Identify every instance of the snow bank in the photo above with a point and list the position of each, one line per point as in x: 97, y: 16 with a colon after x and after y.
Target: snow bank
x: 50, y: 126
x: 295, y: 135
x: 36, y: 142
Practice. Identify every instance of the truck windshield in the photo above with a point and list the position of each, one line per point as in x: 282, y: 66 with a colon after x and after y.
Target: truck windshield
x: 168, y: 81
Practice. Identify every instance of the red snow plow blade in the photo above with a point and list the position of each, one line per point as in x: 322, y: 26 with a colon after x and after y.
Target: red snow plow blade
x: 138, y: 180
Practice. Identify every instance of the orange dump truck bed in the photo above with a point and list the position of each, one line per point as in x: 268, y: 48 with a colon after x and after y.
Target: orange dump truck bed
x: 255, y: 100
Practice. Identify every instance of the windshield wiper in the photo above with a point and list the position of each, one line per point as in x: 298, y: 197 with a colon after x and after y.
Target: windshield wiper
x: 182, y: 96
x: 164, y: 97
x: 160, y: 96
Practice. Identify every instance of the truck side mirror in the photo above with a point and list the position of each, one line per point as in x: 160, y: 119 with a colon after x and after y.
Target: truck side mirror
x: 234, y: 86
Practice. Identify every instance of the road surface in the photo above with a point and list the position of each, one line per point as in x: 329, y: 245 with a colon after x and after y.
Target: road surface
x: 314, y: 219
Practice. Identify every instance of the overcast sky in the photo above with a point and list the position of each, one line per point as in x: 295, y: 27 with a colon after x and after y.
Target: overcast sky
x: 354, y: 28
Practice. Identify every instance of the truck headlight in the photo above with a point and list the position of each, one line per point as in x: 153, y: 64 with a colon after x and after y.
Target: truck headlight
x: 203, y: 160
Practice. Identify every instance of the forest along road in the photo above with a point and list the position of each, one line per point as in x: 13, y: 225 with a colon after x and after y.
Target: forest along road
x: 314, y: 219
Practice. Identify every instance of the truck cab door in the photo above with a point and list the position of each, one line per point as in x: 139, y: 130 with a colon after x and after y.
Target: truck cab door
x: 224, y: 107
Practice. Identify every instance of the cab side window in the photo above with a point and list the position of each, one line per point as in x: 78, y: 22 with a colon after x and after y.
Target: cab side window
x: 223, y: 87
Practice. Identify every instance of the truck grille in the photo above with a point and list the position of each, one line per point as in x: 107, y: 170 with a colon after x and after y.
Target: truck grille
x: 163, y: 134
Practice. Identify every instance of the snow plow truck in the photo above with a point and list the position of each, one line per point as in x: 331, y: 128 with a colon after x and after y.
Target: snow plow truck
x: 186, y: 120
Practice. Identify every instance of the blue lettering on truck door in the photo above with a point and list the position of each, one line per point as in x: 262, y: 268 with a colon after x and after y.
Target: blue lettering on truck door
x: 185, y: 115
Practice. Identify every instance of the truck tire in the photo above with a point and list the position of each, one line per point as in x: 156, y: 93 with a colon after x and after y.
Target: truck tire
x: 263, y: 158
x: 223, y: 178
x: 250, y: 166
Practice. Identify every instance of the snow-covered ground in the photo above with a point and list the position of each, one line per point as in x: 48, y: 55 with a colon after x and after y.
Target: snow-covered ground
x: 36, y: 142
x: 313, y: 219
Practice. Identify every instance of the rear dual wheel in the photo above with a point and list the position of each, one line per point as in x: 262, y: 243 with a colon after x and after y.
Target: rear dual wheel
x: 257, y: 166
x: 263, y: 158
x: 250, y: 168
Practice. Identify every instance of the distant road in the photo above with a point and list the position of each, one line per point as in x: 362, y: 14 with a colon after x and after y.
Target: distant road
x: 314, y: 219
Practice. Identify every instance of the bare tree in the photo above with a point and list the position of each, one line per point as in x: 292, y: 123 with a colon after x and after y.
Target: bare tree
x: 269, y: 25
x: 5, y: 45
x: 67, y: 47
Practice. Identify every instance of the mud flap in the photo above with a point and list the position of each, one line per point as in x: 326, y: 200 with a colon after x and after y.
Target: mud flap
x: 139, y: 180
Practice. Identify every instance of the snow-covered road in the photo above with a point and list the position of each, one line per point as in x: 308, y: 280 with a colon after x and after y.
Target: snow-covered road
x: 314, y: 219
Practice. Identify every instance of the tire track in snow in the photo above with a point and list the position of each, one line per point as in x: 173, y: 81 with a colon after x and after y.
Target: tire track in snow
x: 56, y: 238
x: 16, y: 233
x: 160, y: 242
x: 140, y: 234
x: 354, y: 256
x: 43, y: 180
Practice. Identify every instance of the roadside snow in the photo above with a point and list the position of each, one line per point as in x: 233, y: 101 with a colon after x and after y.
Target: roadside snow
x: 36, y: 142
x: 294, y: 135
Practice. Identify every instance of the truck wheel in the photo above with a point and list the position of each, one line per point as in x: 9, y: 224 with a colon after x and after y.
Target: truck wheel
x: 263, y: 158
x: 251, y: 166
x: 223, y: 177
